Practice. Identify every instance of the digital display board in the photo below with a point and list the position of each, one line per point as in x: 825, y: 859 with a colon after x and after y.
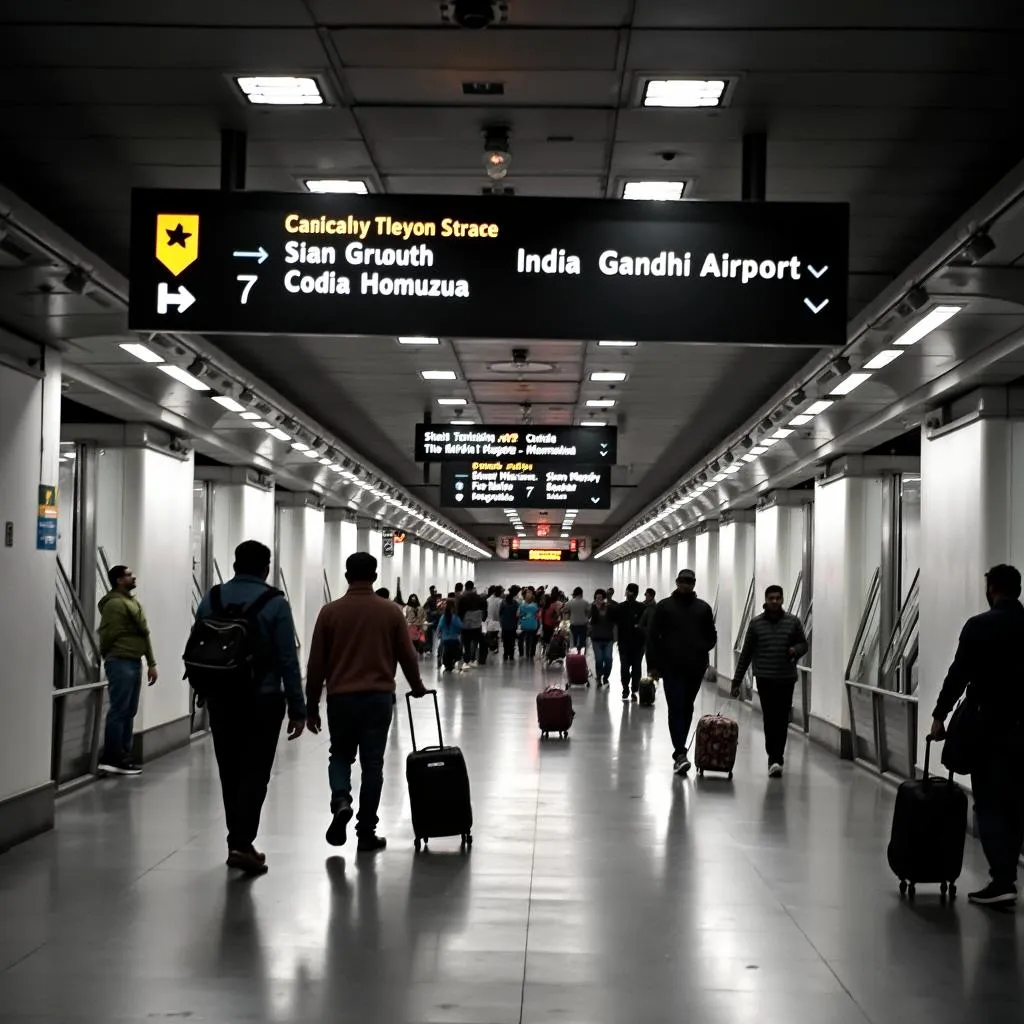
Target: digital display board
x: 543, y: 555
x: 499, y: 483
x: 444, y: 443
x: 472, y: 266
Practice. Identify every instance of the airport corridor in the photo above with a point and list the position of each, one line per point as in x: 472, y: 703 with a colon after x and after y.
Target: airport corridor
x: 600, y: 890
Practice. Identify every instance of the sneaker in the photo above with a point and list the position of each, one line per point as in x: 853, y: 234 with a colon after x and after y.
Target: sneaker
x: 681, y: 765
x: 775, y: 770
x: 371, y: 844
x: 625, y: 695
x: 634, y: 696
x: 124, y: 767
x: 336, y: 830
x: 249, y: 861
x: 994, y: 894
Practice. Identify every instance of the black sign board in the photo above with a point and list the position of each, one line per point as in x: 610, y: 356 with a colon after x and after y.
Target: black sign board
x: 470, y: 266
x: 444, y: 443
x: 501, y: 483
x: 543, y: 555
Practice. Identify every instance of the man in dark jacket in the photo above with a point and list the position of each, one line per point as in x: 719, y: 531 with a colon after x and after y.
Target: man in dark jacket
x: 681, y: 634
x: 245, y: 732
x: 988, y: 665
x: 628, y: 618
x: 472, y: 609
x: 774, y: 642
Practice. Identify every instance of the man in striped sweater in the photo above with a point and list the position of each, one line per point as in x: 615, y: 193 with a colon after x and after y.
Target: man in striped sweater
x: 775, y: 641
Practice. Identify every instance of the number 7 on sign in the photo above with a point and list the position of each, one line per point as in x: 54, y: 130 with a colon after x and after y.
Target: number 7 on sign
x: 250, y: 280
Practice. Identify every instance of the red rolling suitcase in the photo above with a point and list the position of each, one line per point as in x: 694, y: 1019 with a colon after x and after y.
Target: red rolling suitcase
x: 577, y: 673
x: 554, y: 712
x: 929, y: 827
x: 718, y: 739
x: 438, y: 787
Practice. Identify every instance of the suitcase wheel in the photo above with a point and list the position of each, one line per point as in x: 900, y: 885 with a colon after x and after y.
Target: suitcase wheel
x: 467, y: 840
x: 700, y: 772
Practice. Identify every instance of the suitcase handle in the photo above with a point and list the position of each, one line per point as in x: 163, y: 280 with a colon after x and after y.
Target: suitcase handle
x: 928, y: 741
x: 437, y: 715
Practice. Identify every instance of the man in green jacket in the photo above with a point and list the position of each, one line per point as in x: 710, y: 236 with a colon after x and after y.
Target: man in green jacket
x: 124, y: 642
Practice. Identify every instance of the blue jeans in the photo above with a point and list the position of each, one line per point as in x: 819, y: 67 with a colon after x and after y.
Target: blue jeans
x: 358, y: 722
x: 602, y: 659
x: 124, y: 685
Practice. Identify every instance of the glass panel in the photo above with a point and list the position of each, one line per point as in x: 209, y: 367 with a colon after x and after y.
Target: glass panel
x: 862, y: 717
x: 74, y: 727
x: 899, y: 720
x: 67, y: 502
x: 748, y: 611
x: 910, y: 532
x: 863, y: 664
x: 794, y: 599
x: 893, y: 675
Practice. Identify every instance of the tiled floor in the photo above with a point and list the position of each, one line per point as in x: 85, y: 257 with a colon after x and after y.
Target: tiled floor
x: 600, y: 890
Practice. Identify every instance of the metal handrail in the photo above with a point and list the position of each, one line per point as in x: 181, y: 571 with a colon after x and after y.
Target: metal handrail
x: 797, y: 587
x: 217, y: 572
x: 287, y: 597
x: 903, y: 633
x: 327, y: 589
x: 748, y: 611
x: 855, y: 653
x: 78, y: 637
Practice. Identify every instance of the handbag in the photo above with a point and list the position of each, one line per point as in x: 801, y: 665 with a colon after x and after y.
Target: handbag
x: 963, y: 736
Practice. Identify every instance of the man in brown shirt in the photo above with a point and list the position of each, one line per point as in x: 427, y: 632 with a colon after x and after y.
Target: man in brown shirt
x: 357, y: 643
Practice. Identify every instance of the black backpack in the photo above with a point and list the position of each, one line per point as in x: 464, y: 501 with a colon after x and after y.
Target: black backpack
x: 226, y: 654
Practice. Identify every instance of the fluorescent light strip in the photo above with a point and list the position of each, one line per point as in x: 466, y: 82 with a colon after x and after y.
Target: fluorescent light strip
x: 281, y: 90
x: 782, y: 433
x: 732, y: 469
x: 262, y: 424
x: 183, y: 377
x: 851, y: 383
x: 311, y: 454
x: 229, y: 403
x: 883, y: 359
x: 338, y: 186
x: 608, y: 377
x: 816, y: 408
x: 800, y: 421
x: 936, y: 318
x: 147, y: 355
x: 767, y: 443
x: 750, y: 457
x: 600, y: 403
x: 683, y: 92
x: 439, y: 375
x: 249, y: 415
x: 451, y: 401
x: 656, y: 190
x: 300, y: 447
x: 278, y: 433
x: 593, y: 423
x: 462, y: 423
x: 617, y: 344
x: 419, y: 341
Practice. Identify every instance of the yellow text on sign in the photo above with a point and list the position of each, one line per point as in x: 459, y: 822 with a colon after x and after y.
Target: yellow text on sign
x: 177, y: 240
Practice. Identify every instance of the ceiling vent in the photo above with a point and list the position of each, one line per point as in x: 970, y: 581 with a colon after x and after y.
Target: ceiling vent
x: 474, y: 14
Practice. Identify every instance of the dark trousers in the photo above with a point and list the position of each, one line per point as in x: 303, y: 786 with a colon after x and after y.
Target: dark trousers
x: 579, y: 637
x: 245, y: 735
x: 631, y: 660
x: 471, y: 643
x: 776, y: 706
x: 998, y: 786
x: 449, y: 651
x: 508, y: 642
x: 124, y: 686
x: 530, y: 643
x: 358, y: 723
x: 681, y: 690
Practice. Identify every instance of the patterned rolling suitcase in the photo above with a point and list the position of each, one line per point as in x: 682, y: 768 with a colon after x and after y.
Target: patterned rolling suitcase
x: 438, y: 787
x: 718, y: 739
x: 577, y: 673
x: 929, y: 827
x: 554, y: 712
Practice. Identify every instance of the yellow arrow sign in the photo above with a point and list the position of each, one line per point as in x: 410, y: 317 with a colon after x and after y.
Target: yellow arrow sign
x: 177, y: 240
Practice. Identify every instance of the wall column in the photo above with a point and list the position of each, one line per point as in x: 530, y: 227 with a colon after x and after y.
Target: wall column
x: 301, y: 553
x: 243, y: 509
x: 735, y: 574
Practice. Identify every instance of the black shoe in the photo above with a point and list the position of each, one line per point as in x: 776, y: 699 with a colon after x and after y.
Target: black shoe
x: 336, y: 830
x: 249, y: 861
x: 994, y: 894
x: 121, y: 766
x: 371, y: 844
x: 625, y: 695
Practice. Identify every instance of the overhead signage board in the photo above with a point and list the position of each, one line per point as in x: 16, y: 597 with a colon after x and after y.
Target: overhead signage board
x: 471, y: 266
x: 517, y: 483
x: 443, y: 443
x: 544, y: 555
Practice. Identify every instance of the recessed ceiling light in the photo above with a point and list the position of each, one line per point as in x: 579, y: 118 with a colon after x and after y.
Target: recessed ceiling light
x: 683, y: 92
x: 600, y: 403
x: 278, y: 433
x: 750, y: 457
x: 262, y: 424
x: 661, y: 190
x: 938, y: 316
x: 799, y: 421
x: 419, y: 341
x: 608, y: 377
x: 783, y: 432
x: 310, y: 454
x: 462, y: 423
x: 617, y: 344
x: 183, y: 377
x: 325, y: 462
x: 147, y: 355
x: 438, y: 374
x: 816, y: 408
x: 249, y: 415
x: 853, y: 381
x: 300, y: 447
x: 718, y: 479
x: 229, y: 403
x: 883, y: 359
x: 766, y: 443
x: 281, y: 90
x: 732, y: 469
x: 593, y: 423
x: 451, y: 401
x: 343, y: 186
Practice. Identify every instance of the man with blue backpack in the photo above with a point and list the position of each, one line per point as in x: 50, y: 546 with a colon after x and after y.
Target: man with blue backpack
x: 242, y: 662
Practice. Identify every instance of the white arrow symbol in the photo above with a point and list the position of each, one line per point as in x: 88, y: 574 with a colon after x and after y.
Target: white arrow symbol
x: 815, y: 308
x: 595, y: 500
x: 260, y: 255
x: 815, y: 271
x: 182, y: 298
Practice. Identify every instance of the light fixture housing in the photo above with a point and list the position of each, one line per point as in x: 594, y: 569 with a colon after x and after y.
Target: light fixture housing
x: 600, y: 403
x: 683, y: 92
x: 617, y: 344
x: 337, y: 186
x: 147, y: 355
x: 661, y: 191
x: 451, y: 401
x: 183, y: 377
x: 933, y: 319
x: 281, y: 90
x: 497, y: 152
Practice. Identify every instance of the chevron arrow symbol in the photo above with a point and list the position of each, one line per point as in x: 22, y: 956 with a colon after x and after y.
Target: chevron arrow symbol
x: 815, y: 271
x: 815, y: 308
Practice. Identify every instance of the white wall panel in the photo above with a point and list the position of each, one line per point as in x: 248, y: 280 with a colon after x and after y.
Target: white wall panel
x: 590, y: 574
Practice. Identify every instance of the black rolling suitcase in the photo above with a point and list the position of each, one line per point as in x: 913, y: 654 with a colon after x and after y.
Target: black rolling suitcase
x: 438, y: 787
x: 929, y: 827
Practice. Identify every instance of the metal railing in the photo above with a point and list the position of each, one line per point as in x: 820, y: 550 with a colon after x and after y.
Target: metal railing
x: 287, y: 597
x: 748, y: 614
x: 895, y: 673
x: 883, y: 729
x: 197, y: 593
x: 864, y: 654
x: 74, y: 636
x: 327, y: 589
x: 794, y: 597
